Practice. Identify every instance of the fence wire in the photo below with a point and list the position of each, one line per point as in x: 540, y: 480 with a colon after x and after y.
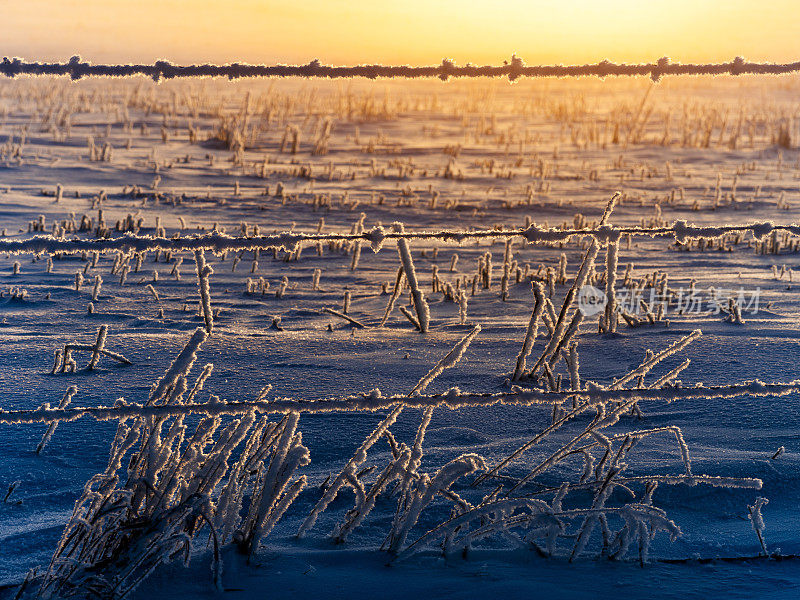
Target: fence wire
x: 513, y: 69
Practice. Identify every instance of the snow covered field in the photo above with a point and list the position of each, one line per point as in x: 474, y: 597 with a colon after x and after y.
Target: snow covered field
x: 256, y: 158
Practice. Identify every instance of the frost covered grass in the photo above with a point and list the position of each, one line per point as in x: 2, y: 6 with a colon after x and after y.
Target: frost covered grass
x: 232, y: 483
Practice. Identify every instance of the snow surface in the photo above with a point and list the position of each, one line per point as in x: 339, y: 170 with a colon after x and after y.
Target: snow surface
x: 732, y: 437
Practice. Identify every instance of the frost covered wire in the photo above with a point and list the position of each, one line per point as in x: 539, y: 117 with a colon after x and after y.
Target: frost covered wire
x: 513, y: 69
x: 375, y: 401
x: 219, y: 243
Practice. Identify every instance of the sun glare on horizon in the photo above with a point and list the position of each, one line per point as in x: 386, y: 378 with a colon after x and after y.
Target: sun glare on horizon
x: 414, y: 31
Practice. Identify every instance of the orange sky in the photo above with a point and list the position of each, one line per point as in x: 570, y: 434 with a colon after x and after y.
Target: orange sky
x: 400, y: 31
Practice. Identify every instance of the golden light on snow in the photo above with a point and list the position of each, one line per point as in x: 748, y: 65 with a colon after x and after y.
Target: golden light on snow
x: 415, y: 31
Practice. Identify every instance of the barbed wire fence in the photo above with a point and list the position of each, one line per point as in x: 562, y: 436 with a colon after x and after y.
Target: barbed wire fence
x: 513, y: 69
x: 167, y: 396
x: 376, y: 236
x: 216, y: 242
x: 374, y: 401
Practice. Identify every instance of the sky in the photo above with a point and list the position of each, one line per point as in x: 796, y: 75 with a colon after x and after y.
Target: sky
x: 399, y: 31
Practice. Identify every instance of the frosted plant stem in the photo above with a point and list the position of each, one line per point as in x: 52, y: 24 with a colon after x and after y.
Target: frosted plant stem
x: 560, y: 324
x: 420, y: 305
x: 98, y: 347
x: 351, y: 466
x: 179, y: 367
x: 449, y: 360
x: 533, y: 328
x: 600, y: 421
x: 566, y: 339
x: 347, y: 318
x: 757, y: 520
x: 411, y: 318
x: 427, y: 489
x: 647, y: 365
x: 203, y: 273
x: 535, y: 440
x: 574, y: 366
x: 661, y: 381
x: 586, y: 266
x: 398, y: 289
x: 612, y: 259
x: 65, y: 400
x: 672, y: 349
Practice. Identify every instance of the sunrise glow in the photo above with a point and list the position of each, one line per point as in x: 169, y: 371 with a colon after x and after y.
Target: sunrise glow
x: 413, y: 31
